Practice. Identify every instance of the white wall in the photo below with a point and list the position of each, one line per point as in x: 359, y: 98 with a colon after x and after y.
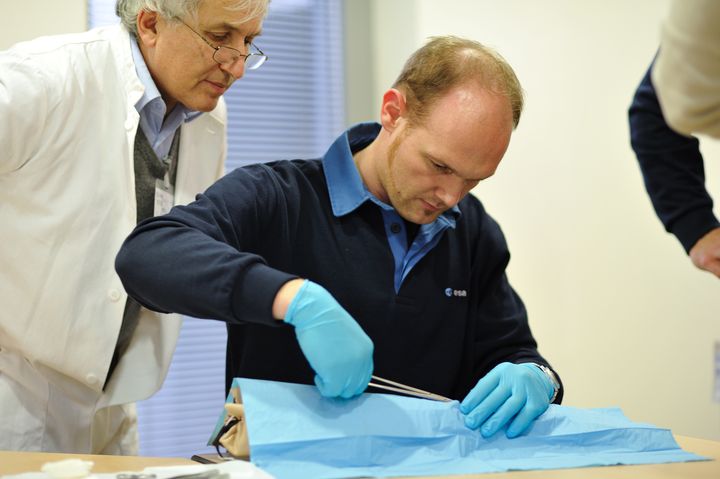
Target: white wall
x: 31, y: 18
x: 613, y: 301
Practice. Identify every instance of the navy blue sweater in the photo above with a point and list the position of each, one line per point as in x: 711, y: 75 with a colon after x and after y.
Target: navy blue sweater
x: 672, y: 168
x: 226, y: 255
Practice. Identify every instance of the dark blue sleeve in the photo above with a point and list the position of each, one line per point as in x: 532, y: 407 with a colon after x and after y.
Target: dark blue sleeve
x: 503, y: 331
x: 672, y: 168
x: 512, y: 339
x: 195, y: 259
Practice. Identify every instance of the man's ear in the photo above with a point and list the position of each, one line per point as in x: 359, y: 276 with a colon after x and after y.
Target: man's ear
x: 147, y: 23
x: 393, y: 109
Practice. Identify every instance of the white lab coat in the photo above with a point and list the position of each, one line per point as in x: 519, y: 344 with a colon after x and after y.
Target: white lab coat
x: 67, y: 202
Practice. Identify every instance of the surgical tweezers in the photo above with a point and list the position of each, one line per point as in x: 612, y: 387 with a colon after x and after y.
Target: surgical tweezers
x: 409, y: 390
x: 206, y: 474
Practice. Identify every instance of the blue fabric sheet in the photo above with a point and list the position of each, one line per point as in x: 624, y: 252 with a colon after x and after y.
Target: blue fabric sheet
x: 296, y: 433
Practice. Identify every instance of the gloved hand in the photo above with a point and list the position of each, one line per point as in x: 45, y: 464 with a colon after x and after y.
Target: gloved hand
x: 337, y: 348
x: 510, y: 393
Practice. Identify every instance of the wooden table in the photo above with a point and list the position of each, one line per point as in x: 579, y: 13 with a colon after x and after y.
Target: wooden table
x: 17, y: 462
x: 12, y: 462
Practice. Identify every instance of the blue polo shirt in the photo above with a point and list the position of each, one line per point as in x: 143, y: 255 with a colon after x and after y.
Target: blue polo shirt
x: 348, y: 192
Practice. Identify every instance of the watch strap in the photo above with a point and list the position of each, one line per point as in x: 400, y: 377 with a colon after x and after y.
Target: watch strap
x: 552, y: 377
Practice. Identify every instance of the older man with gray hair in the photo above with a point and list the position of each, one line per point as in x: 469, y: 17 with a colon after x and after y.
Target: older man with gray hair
x: 101, y: 130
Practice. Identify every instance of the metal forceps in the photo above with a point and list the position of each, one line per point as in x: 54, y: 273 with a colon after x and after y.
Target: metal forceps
x: 409, y: 390
x: 208, y: 474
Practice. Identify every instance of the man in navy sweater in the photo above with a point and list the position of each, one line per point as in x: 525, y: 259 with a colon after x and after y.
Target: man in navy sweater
x: 371, y: 260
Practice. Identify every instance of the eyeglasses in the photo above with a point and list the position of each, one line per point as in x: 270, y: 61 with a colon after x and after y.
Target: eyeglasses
x: 227, y: 56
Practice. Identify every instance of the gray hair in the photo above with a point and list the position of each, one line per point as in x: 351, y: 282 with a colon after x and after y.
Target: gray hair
x: 128, y: 10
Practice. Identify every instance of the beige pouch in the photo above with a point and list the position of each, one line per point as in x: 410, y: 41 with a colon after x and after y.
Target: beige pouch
x: 233, y: 435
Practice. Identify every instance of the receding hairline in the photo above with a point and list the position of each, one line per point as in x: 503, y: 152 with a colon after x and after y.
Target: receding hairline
x: 447, y: 61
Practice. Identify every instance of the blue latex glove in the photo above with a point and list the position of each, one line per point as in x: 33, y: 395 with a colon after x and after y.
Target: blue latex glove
x: 337, y: 348
x: 513, y: 394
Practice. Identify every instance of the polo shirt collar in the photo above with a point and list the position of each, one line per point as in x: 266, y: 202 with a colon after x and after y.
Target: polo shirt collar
x: 345, y: 186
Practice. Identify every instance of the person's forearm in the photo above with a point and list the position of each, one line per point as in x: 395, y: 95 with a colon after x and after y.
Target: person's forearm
x: 171, y: 267
x: 672, y: 168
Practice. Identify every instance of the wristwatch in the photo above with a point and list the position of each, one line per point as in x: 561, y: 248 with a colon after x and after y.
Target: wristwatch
x: 553, y: 379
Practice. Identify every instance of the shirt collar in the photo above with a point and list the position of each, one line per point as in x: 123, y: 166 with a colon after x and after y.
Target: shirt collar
x: 151, y: 93
x: 345, y: 186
